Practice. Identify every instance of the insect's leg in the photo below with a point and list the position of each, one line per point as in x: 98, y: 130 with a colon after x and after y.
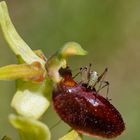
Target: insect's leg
x: 88, y: 72
x: 85, y: 74
x: 106, y: 84
x: 101, y: 78
x: 77, y: 73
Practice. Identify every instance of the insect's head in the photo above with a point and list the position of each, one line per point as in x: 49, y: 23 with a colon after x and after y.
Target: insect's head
x: 65, y: 72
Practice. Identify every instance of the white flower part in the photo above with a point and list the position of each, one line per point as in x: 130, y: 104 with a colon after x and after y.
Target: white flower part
x: 29, y: 104
x: 93, y: 78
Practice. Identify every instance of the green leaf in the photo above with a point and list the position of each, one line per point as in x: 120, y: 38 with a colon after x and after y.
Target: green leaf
x: 58, y: 60
x: 72, y: 135
x: 15, y: 42
x: 30, y: 129
x: 22, y: 71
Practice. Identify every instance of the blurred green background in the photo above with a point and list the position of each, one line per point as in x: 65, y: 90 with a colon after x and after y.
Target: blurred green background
x: 109, y: 30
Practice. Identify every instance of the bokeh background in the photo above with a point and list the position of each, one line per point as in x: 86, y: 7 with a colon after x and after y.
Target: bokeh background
x: 109, y: 30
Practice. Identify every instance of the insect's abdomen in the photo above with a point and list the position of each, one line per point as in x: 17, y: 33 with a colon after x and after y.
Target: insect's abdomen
x: 78, y: 108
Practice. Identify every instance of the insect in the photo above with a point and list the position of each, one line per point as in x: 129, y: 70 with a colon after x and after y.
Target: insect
x: 82, y: 108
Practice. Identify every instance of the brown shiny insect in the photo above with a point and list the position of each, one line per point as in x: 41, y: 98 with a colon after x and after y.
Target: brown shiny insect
x: 82, y: 108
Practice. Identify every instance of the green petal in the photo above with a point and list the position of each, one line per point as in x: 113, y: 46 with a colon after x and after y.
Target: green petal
x: 72, y: 48
x: 53, y: 66
x: 73, y: 135
x: 16, y: 43
x: 22, y: 71
x: 30, y: 129
x: 30, y: 99
x: 58, y: 60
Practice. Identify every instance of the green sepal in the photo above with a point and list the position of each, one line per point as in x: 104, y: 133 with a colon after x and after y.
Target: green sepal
x: 16, y: 43
x: 29, y: 128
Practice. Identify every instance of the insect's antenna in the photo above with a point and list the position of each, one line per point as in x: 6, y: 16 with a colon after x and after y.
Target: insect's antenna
x: 52, y: 127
